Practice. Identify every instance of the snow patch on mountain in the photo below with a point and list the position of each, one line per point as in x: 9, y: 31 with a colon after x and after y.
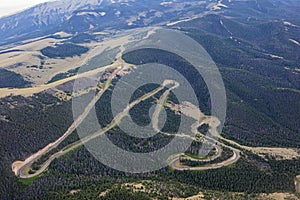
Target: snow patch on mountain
x: 295, y: 42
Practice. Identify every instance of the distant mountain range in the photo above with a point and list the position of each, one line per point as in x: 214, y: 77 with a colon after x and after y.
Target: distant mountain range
x: 94, y: 15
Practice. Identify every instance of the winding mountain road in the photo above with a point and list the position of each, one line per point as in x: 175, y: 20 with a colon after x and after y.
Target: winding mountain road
x: 21, y: 168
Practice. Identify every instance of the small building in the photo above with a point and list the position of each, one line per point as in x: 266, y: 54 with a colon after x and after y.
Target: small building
x: 297, y: 184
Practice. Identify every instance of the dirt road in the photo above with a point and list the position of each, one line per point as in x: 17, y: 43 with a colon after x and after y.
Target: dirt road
x: 19, y: 166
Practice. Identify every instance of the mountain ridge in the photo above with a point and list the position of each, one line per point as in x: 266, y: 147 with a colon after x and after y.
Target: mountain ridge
x: 55, y: 16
